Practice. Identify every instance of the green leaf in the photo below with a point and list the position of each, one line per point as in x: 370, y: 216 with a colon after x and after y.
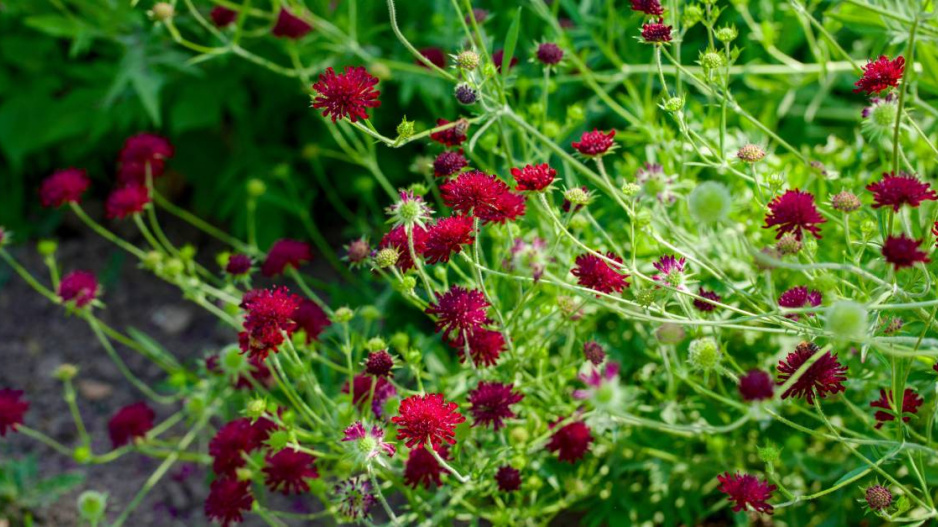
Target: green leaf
x: 510, y: 42
x: 852, y: 474
x: 147, y: 84
x: 57, y: 26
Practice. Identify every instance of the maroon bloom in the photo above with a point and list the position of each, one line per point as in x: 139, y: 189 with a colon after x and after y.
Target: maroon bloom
x: 549, y: 54
x: 593, y: 351
x: 507, y: 206
x: 534, y: 177
x: 597, y: 274
x: 311, y: 319
x: 571, y: 442
x: 285, y: 254
x: 379, y: 364
x: 508, y: 479
x: 595, y: 143
x: 346, y: 95
x: 911, y: 402
x: 880, y: 75
x: 825, y: 376
x: 129, y: 423
x: 80, y: 287
x: 485, y: 347
x: 895, y: 191
x: 902, y: 251
x: 227, y: 499
x: 756, y: 385
x: 238, y: 264
x: 233, y: 439
x: 140, y: 153
x: 268, y: 318
x: 878, y: 497
x: 491, y: 403
x: 446, y: 237
x: 435, y: 55
x: 649, y: 7
x: 12, y: 409
x: 746, y: 491
x: 287, y: 471
x: 423, y: 469
x: 222, y: 16
x: 459, y: 311
x: 453, y: 136
x: 703, y: 305
x: 290, y: 26
x: 499, y: 56
x: 427, y: 419
x: 656, y: 32
x: 357, y: 252
x: 792, y: 211
x: 396, y: 238
x: 473, y: 191
x: 63, y: 186
x: 127, y: 200
x: 448, y: 163
x: 383, y: 390
x: 799, y: 297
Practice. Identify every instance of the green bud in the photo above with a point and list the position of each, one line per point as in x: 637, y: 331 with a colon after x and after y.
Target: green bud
x: 343, y: 315
x: 519, y: 435
x: 405, y: 130
x: 400, y: 341
x: 467, y: 60
x: 256, y: 188
x: 47, y: 247
x: 710, y: 202
x: 575, y: 112
x: 244, y: 474
x: 255, y: 408
x: 711, y: 60
x: 550, y: 128
x: 162, y: 11
x: 867, y: 228
x: 643, y: 218
x: 370, y: 312
x: 232, y: 361
x: 376, y: 344
x: 152, y: 260
x: 279, y: 439
x: 576, y: 196
x: 750, y: 153
x: 674, y: 104
x: 726, y: 34
x: 645, y: 297
x: 174, y: 267
x: 631, y: 189
x: 187, y: 252
x: 406, y: 284
x: 847, y: 320
x: 91, y: 506
x: 670, y: 333
x: 65, y: 372
x: 386, y: 258
x: 769, y: 453
x: 81, y: 455
x: 788, y: 244
x: 704, y: 354
x: 195, y: 405
x: 693, y: 14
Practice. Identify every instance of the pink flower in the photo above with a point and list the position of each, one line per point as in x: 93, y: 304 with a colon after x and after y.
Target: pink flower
x: 80, y: 287
x: 880, y: 75
x: 287, y: 471
x: 459, y: 311
x: 746, y: 491
x: 793, y: 211
x: 64, y: 186
x: 396, y: 238
x: 12, y: 409
x: 125, y: 201
x: 597, y: 274
x: 290, y: 26
x: 286, y: 254
x: 911, y: 402
x: 656, y: 32
x: 227, y: 500
x: 268, y: 320
x: 904, y: 189
x: 571, y: 442
x: 902, y: 251
x: 825, y: 376
x: 453, y: 136
x: 534, y: 177
x: 346, y: 95
x: 446, y: 237
x: 799, y: 297
x: 376, y: 444
x: 129, y: 423
x: 595, y: 143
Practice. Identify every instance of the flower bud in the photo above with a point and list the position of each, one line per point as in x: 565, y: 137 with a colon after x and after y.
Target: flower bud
x: 92, y: 506
x: 467, y: 60
x: 376, y: 344
x: 162, y: 11
x: 631, y: 189
x: 65, y: 372
x: 847, y: 320
x: 674, y: 104
x: 788, y: 244
x: 670, y: 333
x: 845, y: 201
x: 81, y: 455
x: 711, y: 60
x: 47, y: 247
x: 405, y: 130
x: 878, y: 497
x: 406, y: 284
x: 704, y: 354
x: 400, y: 341
x: 255, y: 408
x: 343, y: 315
x: 726, y: 34
x: 769, y: 453
x: 465, y: 94
x: 386, y: 258
x: 710, y: 202
x: 750, y: 153
x: 256, y: 188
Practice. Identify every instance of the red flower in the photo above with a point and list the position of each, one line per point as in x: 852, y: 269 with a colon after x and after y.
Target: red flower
x: 491, y: 403
x: 593, y: 351
x: 534, y: 177
x: 238, y: 264
x: 485, y: 347
x: 80, y: 287
x: 880, y: 74
x: 285, y: 253
x: 287, y: 471
x: 233, y: 439
x: 499, y: 56
x: 346, y: 95
x: 423, y: 469
x: 12, y: 409
x: 649, y: 7
x: 125, y: 201
x: 746, y: 491
x: 792, y: 211
x: 825, y: 376
x: 269, y: 315
x: 379, y: 364
x: 427, y: 419
x: 508, y: 479
x: 435, y: 55
x: 448, y: 163
x: 64, y: 186
x: 703, y: 305
x: 911, y: 402
x: 130, y: 422
x: 290, y: 26
x: 227, y: 499
x: 383, y: 390
x: 895, y: 191
x: 140, y: 153
x: 549, y: 53
x: 596, y: 274
x: 446, y: 237
x: 453, y: 136
x: 459, y: 311
x: 798, y: 297
x: 902, y: 251
x: 595, y: 143
x: 756, y: 385
x: 397, y: 238
x: 222, y: 16
x: 472, y: 190
x: 311, y: 319
x: 656, y: 32
x: 506, y: 207
x: 571, y: 442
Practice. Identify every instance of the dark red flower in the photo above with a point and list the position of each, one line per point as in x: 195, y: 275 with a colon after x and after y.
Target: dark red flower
x: 311, y: 319
x: 63, y: 186
x: 396, y: 238
x: 799, y: 297
x: 507, y: 206
x: 549, y: 53
x: 449, y: 162
x: 878, y: 497
x: 233, y: 439
x: 446, y: 237
x: 593, y: 352
x: 435, y: 55
x: 222, y: 16
x: 566, y: 205
x: 756, y: 385
x: 268, y: 319
x: 825, y: 376
x: 499, y: 56
x: 473, y: 192
x: 649, y: 7
x: 703, y: 305
x: 491, y: 403
x: 379, y: 364
x: 453, y: 136
x: 485, y: 347
x: 238, y: 264
x: 459, y: 311
x: 597, y: 274
x: 911, y: 402
x: 880, y: 74
x: 595, y: 143
x: 140, y: 153
x: 746, y: 491
x: 792, y: 211
x: 478, y: 14
x: 895, y: 191
x: 290, y: 26
x: 427, y: 419
x: 130, y: 422
x: 571, y: 442
x: 346, y: 95
x: 902, y: 251
x: 287, y: 471
x: 284, y: 254
x: 227, y: 499
x: 127, y: 200
x: 423, y: 469
x: 12, y: 409
x: 383, y: 390
x: 656, y: 32
x: 508, y: 479
x: 534, y: 177
x: 80, y: 287
x: 357, y: 252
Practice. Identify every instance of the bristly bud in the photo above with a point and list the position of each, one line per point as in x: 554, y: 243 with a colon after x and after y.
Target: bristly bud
x: 750, y: 153
x: 704, y: 354
x: 847, y: 320
x: 409, y: 210
x: 386, y: 258
x: 65, y: 372
x: 674, y: 104
x: 256, y: 188
x: 577, y: 196
x: 465, y: 94
x: 594, y: 352
x: 255, y: 408
x: 549, y: 54
x: 710, y: 202
x: 405, y: 130
x: 788, y: 244
x: 342, y: 315
x: 467, y: 60
x: 91, y: 506
x: 47, y: 247
x: 376, y: 344
x: 406, y: 285
x: 693, y: 14
x: 878, y: 497
x: 769, y: 453
x: 726, y: 34
x: 845, y: 201
x: 711, y: 60
x: 162, y: 11
x: 631, y: 189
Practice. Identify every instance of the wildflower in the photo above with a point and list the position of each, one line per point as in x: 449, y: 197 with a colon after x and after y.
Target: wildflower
x: 793, y: 211
x: 447, y: 237
x: 127, y: 200
x: 602, y: 386
x: 595, y: 143
x: 410, y: 209
x: 825, y: 376
x: 575, y: 198
x: 423, y: 469
x: 459, y: 311
x: 756, y: 385
x: 902, y: 251
x: 597, y: 274
x: 549, y: 54
x: 704, y: 354
x: 656, y: 183
x: 369, y: 443
x: 750, y: 153
x: 465, y: 94
x: 79, y: 287
x: 649, y: 7
x: 904, y: 189
x: 491, y: 403
x: 285, y: 254
x: 508, y: 479
x: 449, y: 162
x: 379, y: 364
x: 427, y: 419
x: 891, y: 325
x: 357, y: 252
x: 291, y: 26
x: 12, y: 409
x: 845, y: 201
x: 670, y: 271
x: 746, y: 491
x: 467, y: 60
x: 222, y: 16
x: 499, y: 56
x: 310, y: 318
x: 397, y: 239
x: 534, y: 177
x: 140, y: 153
x: 452, y: 136
x: 571, y: 441
x: 64, y: 186
x: 354, y: 496
x: 879, y: 118
x: 703, y: 305
x: 435, y: 55
x: 129, y: 423
x: 238, y: 265
x: 233, y: 439
x: 287, y: 471
x: 269, y: 316
x: 799, y: 297
x: 878, y: 497
x: 593, y: 352
x: 485, y: 346
x: 227, y: 499
x: 911, y: 402
x: 346, y: 95
x: 880, y: 75
x: 656, y: 32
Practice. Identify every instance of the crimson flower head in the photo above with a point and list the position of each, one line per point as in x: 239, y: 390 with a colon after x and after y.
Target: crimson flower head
x: 571, y: 442
x: 63, y: 186
x: 825, y: 376
x: 396, y: 239
x: 746, y: 491
x: 125, y: 201
x: 268, y: 317
x: 142, y: 153
x: 595, y: 273
x: 130, y: 422
x: 238, y: 264
x: 902, y: 251
x: 499, y: 56
x: 534, y: 177
x: 12, y: 409
x: 703, y: 305
x: 80, y: 287
x: 227, y: 499
x: 311, y: 319
x: 233, y: 439
x: 427, y: 419
x: 290, y: 26
x: 880, y: 75
x: 482, y: 195
x: 459, y: 311
x: 508, y: 479
x: 435, y: 55
x: 448, y: 163
x: 346, y: 95
x: 756, y: 385
x: 656, y: 32
x: 895, y: 191
x: 287, y: 471
x: 491, y: 403
x: 361, y: 391
x: 911, y: 402
x: 284, y: 254
x: 793, y: 211
x: 485, y: 346
x: 446, y: 237
x: 595, y: 143
x: 423, y: 469
x: 649, y: 7
x: 798, y: 297
x: 453, y: 136
x: 379, y: 364
x: 222, y: 16
x: 549, y: 54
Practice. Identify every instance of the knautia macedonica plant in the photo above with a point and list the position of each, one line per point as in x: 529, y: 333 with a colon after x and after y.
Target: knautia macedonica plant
x: 642, y: 304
